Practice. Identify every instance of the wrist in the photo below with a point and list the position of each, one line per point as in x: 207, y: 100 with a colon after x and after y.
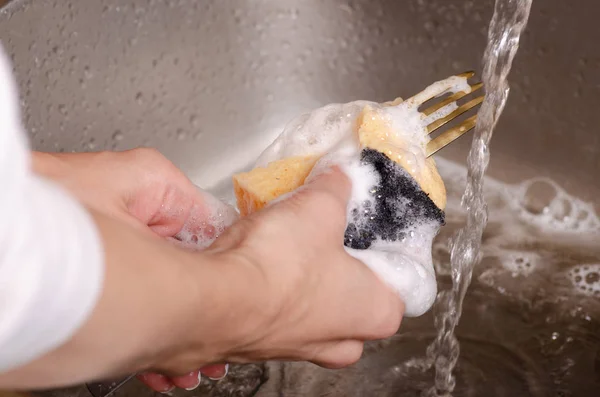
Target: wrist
x: 235, y: 304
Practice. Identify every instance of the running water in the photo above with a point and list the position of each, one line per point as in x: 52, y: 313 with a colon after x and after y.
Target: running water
x: 509, y: 20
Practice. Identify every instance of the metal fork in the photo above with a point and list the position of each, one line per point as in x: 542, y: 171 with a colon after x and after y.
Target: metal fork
x: 451, y: 134
x: 105, y: 389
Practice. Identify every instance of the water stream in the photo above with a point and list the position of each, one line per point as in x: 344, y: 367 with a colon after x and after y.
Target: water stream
x: 509, y: 19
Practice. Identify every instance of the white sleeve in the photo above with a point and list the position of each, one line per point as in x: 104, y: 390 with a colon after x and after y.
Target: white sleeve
x: 51, y: 258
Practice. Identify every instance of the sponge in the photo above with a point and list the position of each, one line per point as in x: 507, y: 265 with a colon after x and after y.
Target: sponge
x: 256, y: 188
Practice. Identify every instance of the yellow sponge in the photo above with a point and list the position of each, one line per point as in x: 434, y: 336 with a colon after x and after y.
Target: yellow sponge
x: 254, y: 189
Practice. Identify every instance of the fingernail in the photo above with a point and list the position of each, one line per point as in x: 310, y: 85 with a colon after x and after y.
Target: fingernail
x: 224, y: 373
x: 197, y: 384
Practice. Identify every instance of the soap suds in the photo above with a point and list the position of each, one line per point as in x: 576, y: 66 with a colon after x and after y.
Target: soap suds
x: 202, y: 229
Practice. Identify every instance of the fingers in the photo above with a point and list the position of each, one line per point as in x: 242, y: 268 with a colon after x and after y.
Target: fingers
x: 216, y: 371
x: 156, y: 382
x: 160, y: 196
x: 339, y: 354
x: 190, y: 381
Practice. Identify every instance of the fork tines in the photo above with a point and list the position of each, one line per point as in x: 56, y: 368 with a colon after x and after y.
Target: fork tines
x: 455, y: 132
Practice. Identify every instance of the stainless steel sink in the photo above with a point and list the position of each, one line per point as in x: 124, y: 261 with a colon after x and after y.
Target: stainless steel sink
x: 210, y: 83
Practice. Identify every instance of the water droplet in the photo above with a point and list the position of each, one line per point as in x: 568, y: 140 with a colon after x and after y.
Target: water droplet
x: 87, y: 73
x: 91, y: 144
x: 118, y: 136
x: 194, y: 120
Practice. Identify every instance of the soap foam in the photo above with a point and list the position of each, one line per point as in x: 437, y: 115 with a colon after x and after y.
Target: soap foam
x: 317, y: 133
x: 202, y: 229
x: 586, y: 279
x: 562, y: 213
x: 406, y: 263
x: 537, y: 233
x: 538, y: 202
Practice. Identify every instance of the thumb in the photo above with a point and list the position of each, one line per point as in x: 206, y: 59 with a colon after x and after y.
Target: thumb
x: 322, y: 201
x: 328, y: 181
x: 332, y: 181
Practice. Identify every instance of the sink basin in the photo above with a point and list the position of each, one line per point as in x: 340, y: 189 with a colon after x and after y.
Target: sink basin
x: 211, y: 83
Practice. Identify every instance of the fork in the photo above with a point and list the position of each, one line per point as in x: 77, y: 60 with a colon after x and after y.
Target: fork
x: 453, y: 133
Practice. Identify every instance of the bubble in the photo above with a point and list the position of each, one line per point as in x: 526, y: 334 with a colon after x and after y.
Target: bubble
x: 585, y: 278
x: 91, y: 144
x: 194, y: 122
x: 180, y: 134
x: 592, y: 278
x: 87, y: 72
x: 543, y: 203
x: 519, y: 263
x: 538, y: 196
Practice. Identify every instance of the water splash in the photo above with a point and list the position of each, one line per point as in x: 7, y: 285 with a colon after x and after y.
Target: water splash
x: 509, y: 19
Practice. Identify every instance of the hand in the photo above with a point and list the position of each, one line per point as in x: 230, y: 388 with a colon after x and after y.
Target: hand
x: 276, y: 285
x: 300, y: 295
x: 140, y: 187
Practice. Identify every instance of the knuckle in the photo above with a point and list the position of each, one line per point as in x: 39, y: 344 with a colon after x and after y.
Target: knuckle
x: 147, y: 155
x: 237, y: 235
x: 154, y: 163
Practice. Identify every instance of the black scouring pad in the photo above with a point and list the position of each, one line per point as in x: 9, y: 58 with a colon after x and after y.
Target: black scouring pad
x: 398, y: 204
